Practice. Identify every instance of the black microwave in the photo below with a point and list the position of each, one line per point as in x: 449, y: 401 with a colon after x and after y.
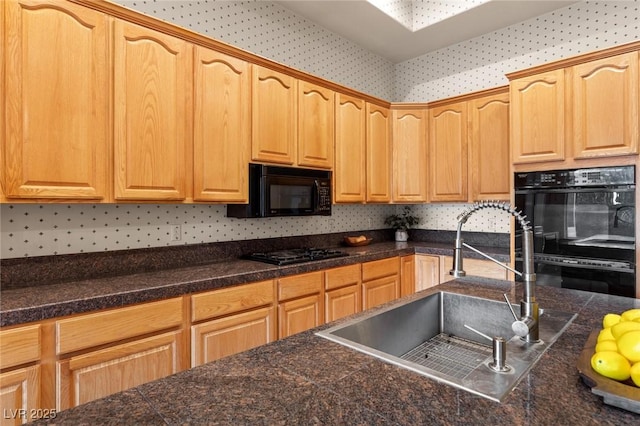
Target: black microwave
x: 285, y: 191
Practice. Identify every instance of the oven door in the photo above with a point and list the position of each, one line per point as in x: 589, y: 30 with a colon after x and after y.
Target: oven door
x: 584, y: 238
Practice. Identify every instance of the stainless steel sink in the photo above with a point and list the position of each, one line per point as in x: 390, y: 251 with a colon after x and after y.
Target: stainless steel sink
x: 429, y: 337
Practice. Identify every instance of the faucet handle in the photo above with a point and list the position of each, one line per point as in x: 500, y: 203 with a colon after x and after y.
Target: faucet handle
x: 506, y: 298
x: 520, y: 327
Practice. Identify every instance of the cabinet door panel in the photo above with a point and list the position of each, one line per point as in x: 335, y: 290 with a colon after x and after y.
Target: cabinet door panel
x: 382, y: 290
x: 350, y: 172
x: 537, y: 118
x: 489, y: 148
x: 410, y: 156
x: 230, y: 335
x: 274, y: 116
x: 20, y: 395
x: 427, y: 272
x: 342, y: 302
x: 152, y: 114
x: 448, y: 152
x: 222, y: 127
x: 378, y: 154
x: 19, y: 346
x: 58, y: 108
x: 407, y: 275
x: 605, y: 107
x: 299, y: 315
x: 315, y: 125
x: 88, y: 377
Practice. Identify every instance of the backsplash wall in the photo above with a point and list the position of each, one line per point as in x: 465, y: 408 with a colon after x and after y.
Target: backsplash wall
x: 274, y: 32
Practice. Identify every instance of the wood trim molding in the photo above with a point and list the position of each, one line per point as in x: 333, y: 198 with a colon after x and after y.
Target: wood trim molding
x: 575, y: 60
x: 174, y: 30
x: 469, y: 96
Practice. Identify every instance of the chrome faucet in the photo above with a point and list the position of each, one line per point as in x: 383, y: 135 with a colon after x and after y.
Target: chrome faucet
x: 527, y: 325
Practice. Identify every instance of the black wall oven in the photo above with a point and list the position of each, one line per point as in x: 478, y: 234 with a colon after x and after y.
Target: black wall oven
x: 584, y: 227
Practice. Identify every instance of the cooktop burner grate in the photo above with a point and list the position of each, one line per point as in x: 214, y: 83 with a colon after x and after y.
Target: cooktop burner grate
x: 288, y: 257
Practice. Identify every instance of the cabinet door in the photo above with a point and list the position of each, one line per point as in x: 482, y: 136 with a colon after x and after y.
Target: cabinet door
x: 473, y: 267
x: 489, y: 148
x: 58, y: 127
x: 226, y: 336
x: 343, y: 295
x: 315, y: 125
x: 298, y: 315
x: 94, y: 375
x: 222, y: 127
x: 20, y: 395
x: 407, y: 275
x: 350, y: 171
x: 448, y: 152
x: 274, y: 116
x: 538, y: 118
x: 427, y: 271
x: 378, y: 154
x: 605, y: 106
x: 379, y: 291
x: 410, y: 156
x: 152, y: 113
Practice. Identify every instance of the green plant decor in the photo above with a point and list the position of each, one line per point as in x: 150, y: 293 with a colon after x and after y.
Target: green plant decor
x: 403, y: 221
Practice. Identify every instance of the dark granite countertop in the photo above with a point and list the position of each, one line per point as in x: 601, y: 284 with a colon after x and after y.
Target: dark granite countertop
x: 27, y: 304
x: 305, y: 379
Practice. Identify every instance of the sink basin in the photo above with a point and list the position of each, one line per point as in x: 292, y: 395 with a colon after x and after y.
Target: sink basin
x: 429, y: 337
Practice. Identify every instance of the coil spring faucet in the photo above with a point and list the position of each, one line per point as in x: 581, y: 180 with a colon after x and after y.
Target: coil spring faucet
x: 527, y: 325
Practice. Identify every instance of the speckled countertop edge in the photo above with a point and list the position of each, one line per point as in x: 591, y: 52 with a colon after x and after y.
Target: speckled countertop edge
x: 23, y: 305
x: 305, y: 379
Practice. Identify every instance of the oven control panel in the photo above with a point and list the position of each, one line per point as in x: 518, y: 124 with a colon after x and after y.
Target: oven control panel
x: 602, y: 176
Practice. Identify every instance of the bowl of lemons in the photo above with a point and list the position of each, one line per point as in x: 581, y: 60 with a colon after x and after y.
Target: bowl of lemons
x: 610, y: 360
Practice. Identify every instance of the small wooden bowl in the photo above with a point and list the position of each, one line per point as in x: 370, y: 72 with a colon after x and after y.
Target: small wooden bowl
x: 358, y: 244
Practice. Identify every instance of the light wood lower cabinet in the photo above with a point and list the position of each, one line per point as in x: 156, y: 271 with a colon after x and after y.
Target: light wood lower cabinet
x: 20, y: 352
x: 427, y: 271
x: 380, y: 282
x: 235, y: 320
x: 408, y: 275
x: 97, y: 374
x: 300, y: 303
x: 107, y: 352
x: 473, y: 267
x: 343, y: 292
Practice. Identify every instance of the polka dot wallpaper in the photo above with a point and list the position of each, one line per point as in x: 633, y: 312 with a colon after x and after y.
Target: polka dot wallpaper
x: 269, y: 30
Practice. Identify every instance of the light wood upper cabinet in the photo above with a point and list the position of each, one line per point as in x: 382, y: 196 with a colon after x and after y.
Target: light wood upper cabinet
x: 152, y: 113
x: 222, y: 127
x: 538, y: 118
x: 274, y: 116
x: 58, y: 129
x: 489, y: 160
x: 350, y: 161
x: 448, y: 152
x: 410, y: 155
x: 605, y: 106
x: 378, y: 154
x: 316, y: 117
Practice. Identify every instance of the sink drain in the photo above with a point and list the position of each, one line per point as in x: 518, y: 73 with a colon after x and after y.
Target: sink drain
x: 449, y: 355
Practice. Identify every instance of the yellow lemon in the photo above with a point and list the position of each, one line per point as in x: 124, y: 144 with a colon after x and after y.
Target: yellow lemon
x: 611, y: 364
x: 635, y: 374
x: 607, y: 345
x: 610, y: 320
x: 629, y: 345
x: 605, y: 334
x: 631, y: 314
x: 624, y: 326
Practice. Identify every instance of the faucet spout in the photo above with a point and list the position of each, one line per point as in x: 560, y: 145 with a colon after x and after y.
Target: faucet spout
x: 527, y: 325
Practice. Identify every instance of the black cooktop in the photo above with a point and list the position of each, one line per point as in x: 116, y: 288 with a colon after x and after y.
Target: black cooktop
x: 288, y: 257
